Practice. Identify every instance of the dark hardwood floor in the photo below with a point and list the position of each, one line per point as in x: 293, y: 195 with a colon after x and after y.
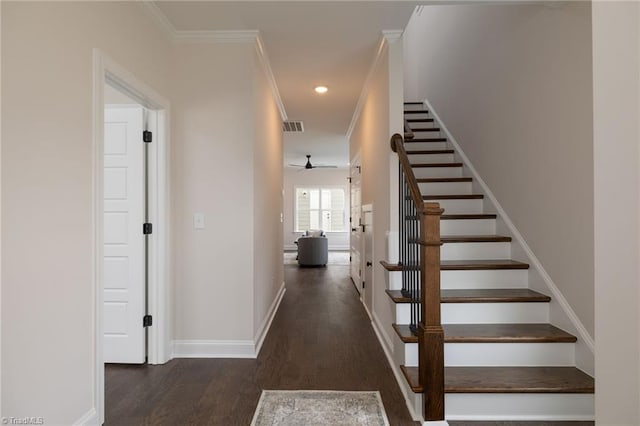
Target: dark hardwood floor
x: 321, y: 338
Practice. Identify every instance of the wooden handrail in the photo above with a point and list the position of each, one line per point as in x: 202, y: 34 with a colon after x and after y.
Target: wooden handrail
x: 397, y: 145
x: 430, y: 332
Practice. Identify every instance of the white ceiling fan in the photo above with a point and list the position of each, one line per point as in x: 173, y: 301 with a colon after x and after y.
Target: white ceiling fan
x: 310, y: 166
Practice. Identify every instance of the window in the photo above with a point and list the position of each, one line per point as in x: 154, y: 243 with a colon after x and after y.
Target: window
x: 320, y: 208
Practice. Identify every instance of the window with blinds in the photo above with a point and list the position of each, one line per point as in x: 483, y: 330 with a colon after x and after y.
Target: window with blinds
x: 320, y: 208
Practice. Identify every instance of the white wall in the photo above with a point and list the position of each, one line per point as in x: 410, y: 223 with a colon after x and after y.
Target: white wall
x: 48, y: 357
x: 315, y: 177
x: 213, y: 161
x: 268, y: 268
x: 616, y: 96
x: 370, y: 137
x: 513, y: 85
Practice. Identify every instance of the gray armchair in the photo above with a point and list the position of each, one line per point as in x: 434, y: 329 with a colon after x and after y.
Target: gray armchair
x: 313, y: 250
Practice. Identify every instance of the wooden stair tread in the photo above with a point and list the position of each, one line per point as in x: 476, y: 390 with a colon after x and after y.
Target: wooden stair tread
x: 492, y: 295
x: 508, y: 380
x: 427, y: 129
x: 467, y: 216
x: 422, y: 165
x: 424, y: 111
x: 419, y: 120
x: 494, y: 333
x: 453, y: 197
x: 517, y: 380
x: 433, y: 151
x: 475, y: 239
x: 466, y: 265
x: 437, y: 180
x: 488, y: 295
x: 414, y: 103
x: 425, y: 140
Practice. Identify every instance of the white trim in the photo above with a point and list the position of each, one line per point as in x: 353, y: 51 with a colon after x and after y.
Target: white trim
x: 557, y: 294
x: 154, y: 12
x: 382, y: 44
x: 293, y: 247
x: 213, y: 349
x: 386, y: 37
x: 266, y: 65
x: 377, y: 328
x: 106, y: 70
x: 266, y: 323
x: 365, y: 308
x: 89, y: 418
x: 436, y: 423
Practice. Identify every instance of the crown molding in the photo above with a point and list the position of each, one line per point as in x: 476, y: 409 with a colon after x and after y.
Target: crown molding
x: 392, y: 35
x: 266, y: 66
x: 157, y: 16
x: 382, y: 44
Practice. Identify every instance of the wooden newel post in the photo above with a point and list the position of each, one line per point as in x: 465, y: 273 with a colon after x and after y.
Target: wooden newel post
x: 430, y: 333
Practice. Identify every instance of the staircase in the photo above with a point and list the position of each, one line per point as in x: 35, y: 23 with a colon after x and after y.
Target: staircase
x: 502, y: 358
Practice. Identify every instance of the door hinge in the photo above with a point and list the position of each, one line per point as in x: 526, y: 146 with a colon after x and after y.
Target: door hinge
x: 349, y: 179
x: 147, y: 321
x: 362, y: 284
x: 350, y: 258
x: 147, y: 228
x: 147, y: 136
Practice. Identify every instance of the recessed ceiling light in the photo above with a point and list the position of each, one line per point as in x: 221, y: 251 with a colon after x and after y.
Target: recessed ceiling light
x: 321, y: 89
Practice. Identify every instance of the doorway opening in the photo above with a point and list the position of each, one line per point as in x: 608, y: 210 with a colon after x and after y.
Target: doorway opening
x: 131, y: 228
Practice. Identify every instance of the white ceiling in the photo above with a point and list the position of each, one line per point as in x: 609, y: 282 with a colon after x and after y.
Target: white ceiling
x: 332, y: 43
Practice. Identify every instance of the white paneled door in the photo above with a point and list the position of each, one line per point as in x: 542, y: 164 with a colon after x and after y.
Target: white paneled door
x: 124, y: 241
x: 356, y: 244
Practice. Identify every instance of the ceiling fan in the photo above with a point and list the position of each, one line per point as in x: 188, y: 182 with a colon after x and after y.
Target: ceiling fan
x: 310, y: 166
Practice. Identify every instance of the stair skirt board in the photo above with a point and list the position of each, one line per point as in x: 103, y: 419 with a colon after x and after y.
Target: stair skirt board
x: 500, y: 354
x: 519, y: 406
x: 468, y: 227
x: 483, y: 313
x: 438, y: 188
x: 475, y: 251
x: 510, y: 278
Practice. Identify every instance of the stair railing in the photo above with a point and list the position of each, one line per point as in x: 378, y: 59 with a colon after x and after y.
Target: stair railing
x: 419, y: 258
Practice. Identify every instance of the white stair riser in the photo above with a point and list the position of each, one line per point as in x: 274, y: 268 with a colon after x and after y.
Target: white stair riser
x: 491, y: 278
x: 500, y: 354
x: 483, y: 313
x: 475, y: 251
x: 414, y: 115
x: 395, y: 280
x: 430, y: 158
x: 425, y: 146
x: 468, y: 227
x: 519, y: 406
x: 437, y: 172
x: 460, y: 206
x: 414, y: 107
x: 437, y: 188
x: 419, y: 129
x: 426, y: 133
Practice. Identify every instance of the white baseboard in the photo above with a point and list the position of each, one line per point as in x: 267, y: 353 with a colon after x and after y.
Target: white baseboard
x: 90, y: 418
x: 213, y: 349
x: 337, y: 247
x: 377, y: 328
x: 436, y: 423
x: 532, y: 259
x: 266, y: 324
x: 229, y: 348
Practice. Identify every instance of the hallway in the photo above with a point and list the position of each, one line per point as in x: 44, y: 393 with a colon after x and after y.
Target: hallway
x: 321, y: 338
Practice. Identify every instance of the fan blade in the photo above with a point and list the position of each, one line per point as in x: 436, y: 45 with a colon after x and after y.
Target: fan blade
x: 325, y: 167
x: 295, y: 165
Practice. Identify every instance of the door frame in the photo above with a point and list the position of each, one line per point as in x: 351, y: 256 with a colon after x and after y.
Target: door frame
x: 106, y: 70
x: 367, y: 292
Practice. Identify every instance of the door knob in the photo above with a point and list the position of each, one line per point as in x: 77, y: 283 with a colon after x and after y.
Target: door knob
x: 369, y: 263
x: 354, y: 229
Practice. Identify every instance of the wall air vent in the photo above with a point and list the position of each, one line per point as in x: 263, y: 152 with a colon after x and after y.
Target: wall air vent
x: 293, y: 126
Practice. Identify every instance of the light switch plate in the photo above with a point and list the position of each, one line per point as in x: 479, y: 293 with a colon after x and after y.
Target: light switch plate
x: 198, y: 220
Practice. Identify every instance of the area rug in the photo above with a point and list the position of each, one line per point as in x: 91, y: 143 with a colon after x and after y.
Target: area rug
x: 335, y: 408
x: 335, y: 258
